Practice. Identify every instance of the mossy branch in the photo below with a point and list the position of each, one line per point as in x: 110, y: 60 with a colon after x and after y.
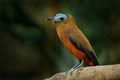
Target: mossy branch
x: 105, y: 72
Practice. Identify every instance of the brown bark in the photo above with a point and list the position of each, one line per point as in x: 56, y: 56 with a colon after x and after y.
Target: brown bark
x: 106, y: 72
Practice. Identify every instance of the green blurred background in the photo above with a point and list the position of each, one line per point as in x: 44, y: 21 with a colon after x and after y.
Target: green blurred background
x: 30, y: 48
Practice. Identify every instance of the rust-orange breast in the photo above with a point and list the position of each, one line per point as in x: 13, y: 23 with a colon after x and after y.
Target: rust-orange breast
x: 74, y: 51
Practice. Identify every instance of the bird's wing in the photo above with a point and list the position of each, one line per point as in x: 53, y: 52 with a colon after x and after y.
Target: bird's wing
x: 90, y: 54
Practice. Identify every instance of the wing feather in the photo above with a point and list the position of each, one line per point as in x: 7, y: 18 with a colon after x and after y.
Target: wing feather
x: 91, y: 55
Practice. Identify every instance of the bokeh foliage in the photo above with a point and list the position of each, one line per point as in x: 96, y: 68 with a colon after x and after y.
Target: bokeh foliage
x: 30, y: 48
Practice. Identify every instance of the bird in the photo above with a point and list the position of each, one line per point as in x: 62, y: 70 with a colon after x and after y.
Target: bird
x: 74, y: 40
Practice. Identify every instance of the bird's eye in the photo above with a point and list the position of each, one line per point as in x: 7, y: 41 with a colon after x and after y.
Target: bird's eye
x: 60, y: 18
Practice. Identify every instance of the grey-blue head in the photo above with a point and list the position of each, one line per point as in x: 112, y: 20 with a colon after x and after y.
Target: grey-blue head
x: 58, y: 18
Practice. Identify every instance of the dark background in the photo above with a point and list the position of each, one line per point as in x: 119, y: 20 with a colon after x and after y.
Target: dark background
x: 30, y: 48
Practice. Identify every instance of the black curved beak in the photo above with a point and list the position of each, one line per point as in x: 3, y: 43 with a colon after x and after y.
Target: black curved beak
x: 50, y: 18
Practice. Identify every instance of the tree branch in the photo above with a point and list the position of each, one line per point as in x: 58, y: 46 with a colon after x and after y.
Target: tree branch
x: 106, y: 72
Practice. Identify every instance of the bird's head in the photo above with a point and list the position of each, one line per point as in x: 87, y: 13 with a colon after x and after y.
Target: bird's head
x: 59, y: 18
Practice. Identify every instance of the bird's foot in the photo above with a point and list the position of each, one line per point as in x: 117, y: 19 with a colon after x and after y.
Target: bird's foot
x: 76, y: 67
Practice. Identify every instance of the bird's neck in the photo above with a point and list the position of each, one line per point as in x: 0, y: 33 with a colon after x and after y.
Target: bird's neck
x: 64, y: 31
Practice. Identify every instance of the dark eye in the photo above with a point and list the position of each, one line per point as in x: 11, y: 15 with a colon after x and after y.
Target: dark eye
x: 61, y: 18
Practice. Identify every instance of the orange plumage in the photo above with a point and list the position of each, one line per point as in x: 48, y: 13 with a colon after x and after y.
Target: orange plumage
x: 73, y: 39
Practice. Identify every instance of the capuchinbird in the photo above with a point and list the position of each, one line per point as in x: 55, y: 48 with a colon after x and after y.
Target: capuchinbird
x: 74, y: 40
